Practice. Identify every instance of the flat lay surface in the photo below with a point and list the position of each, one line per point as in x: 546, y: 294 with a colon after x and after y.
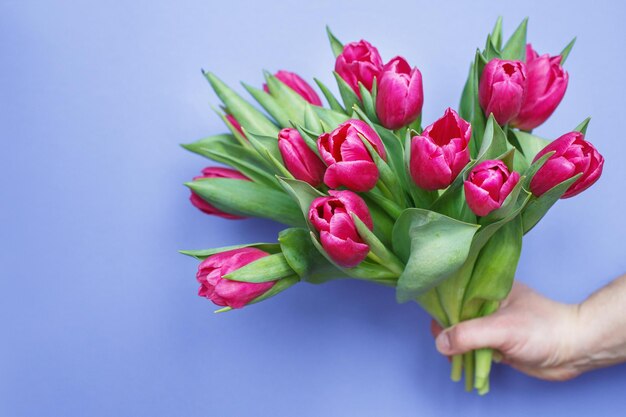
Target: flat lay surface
x: 100, y: 314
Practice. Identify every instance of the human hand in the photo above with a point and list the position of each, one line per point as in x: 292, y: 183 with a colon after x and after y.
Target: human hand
x: 533, y: 334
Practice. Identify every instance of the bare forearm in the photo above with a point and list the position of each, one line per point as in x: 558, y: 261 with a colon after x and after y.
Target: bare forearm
x: 602, y: 327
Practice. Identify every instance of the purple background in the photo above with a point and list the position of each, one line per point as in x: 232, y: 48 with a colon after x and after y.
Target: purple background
x: 99, y: 313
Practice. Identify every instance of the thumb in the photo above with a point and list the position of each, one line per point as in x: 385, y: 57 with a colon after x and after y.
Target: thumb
x: 484, y: 332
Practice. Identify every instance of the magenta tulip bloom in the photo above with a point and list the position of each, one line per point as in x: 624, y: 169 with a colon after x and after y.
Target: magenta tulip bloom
x: 488, y: 185
x: 297, y: 84
x: 349, y: 162
x: 545, y: 87
x: 231, y: 119
x: 440, y: 153
x: 359, y: 62
x: 400, y: 94
x: 215, y: 172
x: 299, y: 159
x: 225, y: 292
x: 330, y: 216
x: 502, y: 89
x: 573, y: 155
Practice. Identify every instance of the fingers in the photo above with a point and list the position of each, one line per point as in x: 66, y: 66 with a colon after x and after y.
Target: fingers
x: 479, y: 333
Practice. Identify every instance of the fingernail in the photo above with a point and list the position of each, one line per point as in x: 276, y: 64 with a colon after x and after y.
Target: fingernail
x: 443, y: 342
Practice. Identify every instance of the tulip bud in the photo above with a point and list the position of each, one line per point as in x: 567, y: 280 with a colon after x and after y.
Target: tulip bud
x: 330, y: 216
x: 299, y: 159
x: 359, y: 62
x: 231, y: 119
x: 215, y: 172
x: 225, y: 292
x: 488, y: 185
x: 441, y: 152
x: 573, y: 155
x: 502, y: 89
x: 546, y: 82
x: 349, y: 162
x: 297, y: 84
x: 400, y: 94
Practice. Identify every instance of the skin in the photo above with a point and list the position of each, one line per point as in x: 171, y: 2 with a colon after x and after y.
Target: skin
x: 544, y: 338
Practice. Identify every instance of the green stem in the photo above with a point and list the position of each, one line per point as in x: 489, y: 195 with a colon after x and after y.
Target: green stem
x: 457, y: 368
x: 483, y: 368
x: 468, y: 360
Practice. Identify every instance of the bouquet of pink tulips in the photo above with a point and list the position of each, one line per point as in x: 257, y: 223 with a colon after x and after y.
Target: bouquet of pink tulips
x: 437, y: 212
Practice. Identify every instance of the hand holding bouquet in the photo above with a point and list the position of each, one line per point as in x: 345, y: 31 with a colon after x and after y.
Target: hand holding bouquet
x: 437, y: 212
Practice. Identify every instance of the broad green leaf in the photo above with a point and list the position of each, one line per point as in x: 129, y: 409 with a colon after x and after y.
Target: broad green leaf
x: 205, y: 253
x: 539, y: 206
x: 330, y: 98
x: 515, y: 47
x: 260, y: 142
x: 248, y: 198
x: 565, y: 52
x: 349, y: 97
x: 452, y: 201
x: 270, y: 104
x: 267, y: 268
x: 437, y: 247
x: 301, y: 192
x: 249, y: 117
x: 335, y: 44
x: 582, y: 127
x: 495, y: 267
x: 304, y: 258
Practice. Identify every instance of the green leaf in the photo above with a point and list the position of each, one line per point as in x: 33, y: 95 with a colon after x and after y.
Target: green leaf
x: 270, y: 104
x: 248, y: 198
x: 330, y: 117
x: 494, y: 142
x: 496, y: 34
x: 582, y: 127
x: 205, y: 253
x: 388, y: 179
x: 349, y: 97
x: 490, y: 50
x: 565, y: 52
x: 277, y: 288
x: 335, y: 44
x: 387, y: 258
x: 365, y: 270
x: 267, y: 268
x: 304, y: 258
x: 436, y: 245
x: 495, y: 267
x: 311, y: 121
x: 330, y: 98
x: 529, y: 145
x: 533, y: 168
x: 290, y: 101
x: 222, y: 148
x: 249, y: 117
x: 263, y: 144
x: 538, y: 207
x: 301, y: 192
x: 369, y: 101
x: 515, y: 47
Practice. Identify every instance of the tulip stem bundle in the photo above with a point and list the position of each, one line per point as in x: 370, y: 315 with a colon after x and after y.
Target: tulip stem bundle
x: 438, y: 212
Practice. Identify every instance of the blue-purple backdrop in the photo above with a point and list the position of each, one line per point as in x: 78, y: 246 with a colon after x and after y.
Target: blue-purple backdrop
x: 99, y: 314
